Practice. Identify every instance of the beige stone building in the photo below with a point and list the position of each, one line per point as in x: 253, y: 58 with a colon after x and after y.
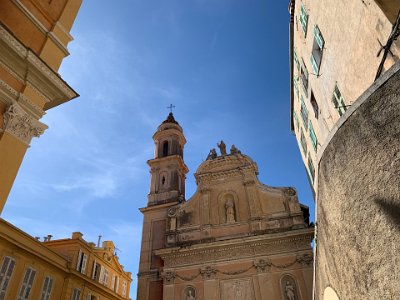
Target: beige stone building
x: 345, y: 104
x: 235, y: 238
x: 336, y: 48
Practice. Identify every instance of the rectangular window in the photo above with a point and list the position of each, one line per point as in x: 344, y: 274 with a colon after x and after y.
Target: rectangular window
x: 311, y: 170
x: 304, y: 76
x: 105, y: 277
x: 304, y: 113
x: 7, y: 268
x: 313, y: 137
x: 296, y: 120
x: 303, y: 143
x: 314, y: 105
x: 303, y: 19
x: 338, y: 101
x: 47, y: 286
x: 317, y: 49
x: 295, y: 85
x: 27, y: 283
x: 76, y: 294
x: 81, y: 263
x: 96, y: 271
x: 124, y: 289
x: 296, y: 60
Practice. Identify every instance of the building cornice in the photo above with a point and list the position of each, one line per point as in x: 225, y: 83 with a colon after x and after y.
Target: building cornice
x: 268, y: 244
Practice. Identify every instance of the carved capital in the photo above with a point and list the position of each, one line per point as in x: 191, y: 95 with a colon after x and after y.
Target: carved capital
x: 208, y: 272
x: 305, y: 260
x: 263, y: 265
x: 21, y: 125
x: 168, y: 276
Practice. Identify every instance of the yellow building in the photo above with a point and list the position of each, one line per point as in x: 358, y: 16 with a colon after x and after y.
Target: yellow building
x: 235, y: 238
x: 59, y: 269
x: 34, y: 35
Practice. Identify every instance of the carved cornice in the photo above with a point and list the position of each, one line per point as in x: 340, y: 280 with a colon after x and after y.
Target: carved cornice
x: 21, y: 125
x: 268, y: 244
x: 26, y: 65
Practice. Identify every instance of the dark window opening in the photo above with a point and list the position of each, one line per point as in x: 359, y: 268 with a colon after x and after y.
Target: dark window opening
x: 314, y: 105
x: 165, y: 148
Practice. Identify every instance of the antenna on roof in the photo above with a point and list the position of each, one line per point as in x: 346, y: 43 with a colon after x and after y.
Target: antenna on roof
x: 98, y: 241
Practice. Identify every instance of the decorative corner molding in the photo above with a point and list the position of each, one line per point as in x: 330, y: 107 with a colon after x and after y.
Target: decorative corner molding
x: 263, y: 265
x: 168, y: 276
x: 22, y: 126
x: 305, y: 260
x: 208, y: 272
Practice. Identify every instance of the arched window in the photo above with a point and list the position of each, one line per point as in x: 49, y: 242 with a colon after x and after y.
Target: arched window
x: 165, y: 148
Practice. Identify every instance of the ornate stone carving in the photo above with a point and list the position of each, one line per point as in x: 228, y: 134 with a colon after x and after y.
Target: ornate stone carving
x: 168, y: 276
x: 305, y: 260
x: 230, y: 211
x: 212, y: 154
x: 263, y: 265
x: 222, y: 148
x: 22, y: 126
x: 238, y: 289
x: 208, y: 272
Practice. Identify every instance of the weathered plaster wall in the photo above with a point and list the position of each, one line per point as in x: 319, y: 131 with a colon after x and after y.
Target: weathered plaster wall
x: 358, y: 242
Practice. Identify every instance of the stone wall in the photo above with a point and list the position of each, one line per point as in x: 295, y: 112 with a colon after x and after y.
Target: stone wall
x: 358, y: 205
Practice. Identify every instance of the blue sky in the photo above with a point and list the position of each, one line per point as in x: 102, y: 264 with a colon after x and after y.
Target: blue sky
x: 223, y: 64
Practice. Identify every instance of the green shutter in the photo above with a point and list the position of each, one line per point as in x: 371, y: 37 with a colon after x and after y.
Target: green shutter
x: 303, y: 19
x: 296, y: 119
x: 304, y: 113
x: 318, y: 37
x: 296, y: 60
x: 295, y: 85
x: 313, y: 137
x: 314, y: 64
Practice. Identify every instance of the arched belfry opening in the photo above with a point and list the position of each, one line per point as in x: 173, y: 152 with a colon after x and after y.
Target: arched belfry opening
x: 165, y: 149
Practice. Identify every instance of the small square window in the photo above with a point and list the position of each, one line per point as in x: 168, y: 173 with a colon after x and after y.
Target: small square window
x: 314, y: 105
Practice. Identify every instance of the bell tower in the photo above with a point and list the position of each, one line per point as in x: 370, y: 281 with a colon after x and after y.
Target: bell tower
x: 167, y: 188
x: 167, y: 168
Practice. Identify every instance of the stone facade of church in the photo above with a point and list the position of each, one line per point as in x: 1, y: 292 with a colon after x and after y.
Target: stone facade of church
x: 235, y: 238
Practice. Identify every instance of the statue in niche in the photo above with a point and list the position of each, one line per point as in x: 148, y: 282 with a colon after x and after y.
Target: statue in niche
x: 222, y: 148
x: 190, y: 293
x: 230, y: 212
x: 212, y: 154
x: 289, y: 291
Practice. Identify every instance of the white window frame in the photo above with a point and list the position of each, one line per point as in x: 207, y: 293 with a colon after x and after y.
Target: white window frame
x: 47, y: 288
x: 6, y: 271
x: 81, y: 262
x: 27, y: 283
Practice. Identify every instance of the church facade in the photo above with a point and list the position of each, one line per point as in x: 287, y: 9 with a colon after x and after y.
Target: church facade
x: 235, y: 238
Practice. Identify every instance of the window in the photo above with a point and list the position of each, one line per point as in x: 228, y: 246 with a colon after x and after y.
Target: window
x: 304, y: 76
x: 27, y: 283
x: 76, y: 294
x: 318, y: 47
x: 338, y: 101
x: 296, y: 119
x: 7, y: 268
x: 105, y: 277
x: 81, y: 263
x: 303, y: 19
x: 311, y: 170
x: 295, y: 85
x: 304, y: 113
x: 96, y: 271
x: 124, y: 289
x: 47, y: 286
x: 91, y: 297
x: 296, y: 60
x: 165, y: 148
x: 116, y: 284
x: 313, y: 137
x: 303, y: 143
x: 314, y: 105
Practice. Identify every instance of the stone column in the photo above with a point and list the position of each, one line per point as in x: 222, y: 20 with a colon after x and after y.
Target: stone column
x: 15, y: 136
x: 262, y: 279
x: 168, y: 287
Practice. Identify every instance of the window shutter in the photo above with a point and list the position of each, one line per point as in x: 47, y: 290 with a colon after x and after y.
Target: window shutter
x: 94, y: 269
x: 314, y: 64
x: 5, y: 274
x: 101, y: 277
x: 84, y: 260
x: 318, y: 37
x: 78, y: 263
x: 117, y: 285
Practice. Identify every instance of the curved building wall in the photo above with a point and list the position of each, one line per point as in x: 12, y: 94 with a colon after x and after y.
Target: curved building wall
x: 358, y: 204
